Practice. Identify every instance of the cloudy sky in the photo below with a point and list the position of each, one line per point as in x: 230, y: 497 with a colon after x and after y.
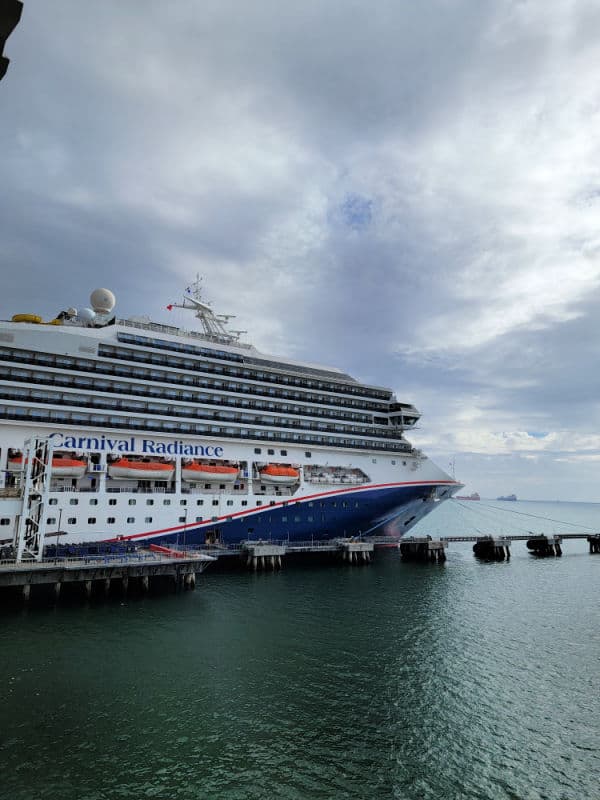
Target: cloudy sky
x: 408, y: 191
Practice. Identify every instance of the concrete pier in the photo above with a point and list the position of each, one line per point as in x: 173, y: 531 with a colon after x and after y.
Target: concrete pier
x: 594, y: 542
x: 423, y: 548
x: 544, y: 546
x: 269, y: 556
x: 142, y: 568
x: 262, y: 555
x: 490, y: 548
x: 356, y: 552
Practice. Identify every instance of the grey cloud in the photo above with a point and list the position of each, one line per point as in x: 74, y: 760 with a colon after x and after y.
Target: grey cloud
x: 357, y: 181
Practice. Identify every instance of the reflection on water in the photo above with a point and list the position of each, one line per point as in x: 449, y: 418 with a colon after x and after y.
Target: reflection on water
x: 463, y: 680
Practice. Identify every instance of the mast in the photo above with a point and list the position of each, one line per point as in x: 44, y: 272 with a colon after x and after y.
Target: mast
x: 213, y: 325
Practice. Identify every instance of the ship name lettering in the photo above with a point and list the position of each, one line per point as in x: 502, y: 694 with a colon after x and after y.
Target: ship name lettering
x: 178, y: 448
x: 93, y: 443
x: 173, y: 448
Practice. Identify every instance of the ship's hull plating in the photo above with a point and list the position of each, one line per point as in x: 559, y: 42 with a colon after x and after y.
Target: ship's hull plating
x: 369, y: 511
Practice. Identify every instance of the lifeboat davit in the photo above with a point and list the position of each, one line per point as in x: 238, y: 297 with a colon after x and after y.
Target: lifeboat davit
x: 140, y: 470
x: 273, y: 473
x: 62, y: 467
x: 195, y: 473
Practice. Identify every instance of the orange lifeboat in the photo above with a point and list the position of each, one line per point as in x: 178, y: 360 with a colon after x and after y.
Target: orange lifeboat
x: 62, y: 466
x: 274, y: 473
x: 195, y: 472
x: 142, y: 470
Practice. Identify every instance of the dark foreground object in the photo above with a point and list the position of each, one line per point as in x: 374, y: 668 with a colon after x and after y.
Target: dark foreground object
x: 10, y: 14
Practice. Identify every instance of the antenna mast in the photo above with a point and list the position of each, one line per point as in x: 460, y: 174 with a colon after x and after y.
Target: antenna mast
x: 213, y: 325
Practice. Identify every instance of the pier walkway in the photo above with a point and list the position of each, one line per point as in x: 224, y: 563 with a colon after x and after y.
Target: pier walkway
x: 140, y: 566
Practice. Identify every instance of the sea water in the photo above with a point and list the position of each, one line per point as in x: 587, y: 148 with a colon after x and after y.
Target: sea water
x: 393, y: 680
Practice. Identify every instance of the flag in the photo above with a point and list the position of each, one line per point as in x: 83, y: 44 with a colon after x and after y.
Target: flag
x: 170, y: 307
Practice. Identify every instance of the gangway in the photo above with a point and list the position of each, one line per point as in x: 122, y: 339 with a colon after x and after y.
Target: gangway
x: 30, y: 531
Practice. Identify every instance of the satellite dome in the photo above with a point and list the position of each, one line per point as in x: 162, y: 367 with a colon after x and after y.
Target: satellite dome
x: 86, y: 315
x: 103, y: 301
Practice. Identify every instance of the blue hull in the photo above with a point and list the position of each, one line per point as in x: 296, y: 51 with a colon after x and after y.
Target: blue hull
x: 365, y: 512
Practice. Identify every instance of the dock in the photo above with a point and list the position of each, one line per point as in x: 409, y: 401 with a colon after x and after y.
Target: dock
x: 493, y: 547
x: 91, y: 574
x: 271, y: 555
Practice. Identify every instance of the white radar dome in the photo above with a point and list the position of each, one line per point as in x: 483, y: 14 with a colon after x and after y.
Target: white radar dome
x: 86, y: 314
x: 103, y: 301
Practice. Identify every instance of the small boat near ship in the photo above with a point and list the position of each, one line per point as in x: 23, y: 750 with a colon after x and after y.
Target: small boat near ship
x: 473, y: 496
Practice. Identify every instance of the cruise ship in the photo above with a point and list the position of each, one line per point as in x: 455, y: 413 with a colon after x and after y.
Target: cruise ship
x: 155, y: 434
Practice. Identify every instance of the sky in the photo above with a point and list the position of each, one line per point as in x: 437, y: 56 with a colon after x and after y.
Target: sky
x: 407, y: 191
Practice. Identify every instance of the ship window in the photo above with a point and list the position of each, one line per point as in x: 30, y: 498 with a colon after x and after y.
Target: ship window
x: 199, y: 502
x: 207, y: 485
x: 374, y: 460
x: 259, y: 502
x: 130, y: 519
x: 49, y: 521
x: 296, y: 518
x: 73, y: 501
x: 230, y: 502
x: 53, y: 501
x: 310, y: 505
x: 91, y: 520
x: 110, y: 520
x: 284, y: 519
x: 257, y: 450
x: 198, y: 519
x: 309, y: 518
x: 270, y: 452
x: 72, y: 520
x: 147, y: 519
x: 132, y: 502
x: 112, y: 502
x: 308, y: 455
x: 215, y: 502
x: 94, y: 502
x: 166, y: 502
x: 283, y: 452
x: 183, y: 502
x: 182, y: 519
x: 149, y: 502
x: 244, y: 502
x: 221, y: 486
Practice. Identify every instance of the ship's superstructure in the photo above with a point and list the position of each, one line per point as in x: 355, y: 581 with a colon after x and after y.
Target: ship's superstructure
x: 162, y: 434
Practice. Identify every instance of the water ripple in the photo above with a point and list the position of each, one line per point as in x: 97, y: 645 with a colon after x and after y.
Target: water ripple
x: 395, y: 681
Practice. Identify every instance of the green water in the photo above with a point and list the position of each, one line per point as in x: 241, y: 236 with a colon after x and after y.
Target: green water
x: 462, y: 680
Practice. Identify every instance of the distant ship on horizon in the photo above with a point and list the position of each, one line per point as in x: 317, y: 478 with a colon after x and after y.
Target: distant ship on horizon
x: 508, y: 497
x: 473, y: 496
